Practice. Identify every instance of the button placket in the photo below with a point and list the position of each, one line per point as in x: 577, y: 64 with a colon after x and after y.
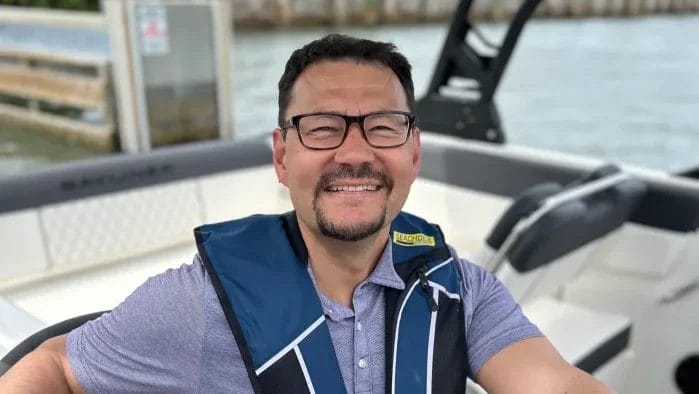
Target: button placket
x: 362, y: 358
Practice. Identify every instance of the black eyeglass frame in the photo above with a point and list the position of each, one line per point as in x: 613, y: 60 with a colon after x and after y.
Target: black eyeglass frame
x: 349, y: 120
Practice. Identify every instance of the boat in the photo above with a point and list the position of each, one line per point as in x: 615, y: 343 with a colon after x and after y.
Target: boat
x: 602, y: 257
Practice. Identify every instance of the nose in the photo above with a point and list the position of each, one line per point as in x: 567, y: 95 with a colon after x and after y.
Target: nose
x: 355, y: 149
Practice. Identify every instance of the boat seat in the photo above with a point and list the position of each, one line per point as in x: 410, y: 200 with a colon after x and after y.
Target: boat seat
x: 596, y: 341
x: 542, y: 239
x: 15, y: 325
x: 36, y: 339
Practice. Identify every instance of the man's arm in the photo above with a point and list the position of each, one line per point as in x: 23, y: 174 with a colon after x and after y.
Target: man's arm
x: 45, y: 370
x: 151, y: 342
x: 534, y: 366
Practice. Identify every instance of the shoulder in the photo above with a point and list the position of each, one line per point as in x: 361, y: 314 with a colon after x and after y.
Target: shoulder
x: 174, y: 292
x: 474, y: 278
x: 493, y: 319
x: 154, y: 335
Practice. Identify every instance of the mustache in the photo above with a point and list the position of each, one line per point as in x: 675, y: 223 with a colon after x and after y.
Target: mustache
x: 346, y: 171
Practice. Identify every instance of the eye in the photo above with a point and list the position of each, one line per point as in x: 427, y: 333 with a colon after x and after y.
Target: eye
x: 384, y: 128
x: 386, y: 123
x: 322, y: 125
x: 323, y: 130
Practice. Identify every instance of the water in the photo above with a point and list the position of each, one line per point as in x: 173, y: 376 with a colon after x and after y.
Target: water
x: 624, y: 90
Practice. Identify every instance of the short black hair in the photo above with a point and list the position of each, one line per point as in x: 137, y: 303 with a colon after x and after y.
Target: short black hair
x: 339, y: 47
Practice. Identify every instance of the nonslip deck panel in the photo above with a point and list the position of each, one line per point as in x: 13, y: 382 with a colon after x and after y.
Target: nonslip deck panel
x: 665, y: 205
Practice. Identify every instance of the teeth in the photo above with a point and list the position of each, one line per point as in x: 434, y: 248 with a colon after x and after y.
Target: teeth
x: 353, y: 188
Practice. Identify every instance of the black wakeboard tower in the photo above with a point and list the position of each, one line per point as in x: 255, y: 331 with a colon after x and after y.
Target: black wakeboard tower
x: 459, y: 100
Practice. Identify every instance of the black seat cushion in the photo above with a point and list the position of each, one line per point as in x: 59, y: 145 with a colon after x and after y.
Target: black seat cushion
x: 526, y: 203
x: 575, y: 224
x: 568, y: 226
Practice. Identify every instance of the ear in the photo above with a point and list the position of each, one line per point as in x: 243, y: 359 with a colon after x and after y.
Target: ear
x: 417, y: 156
x: 279, y: 157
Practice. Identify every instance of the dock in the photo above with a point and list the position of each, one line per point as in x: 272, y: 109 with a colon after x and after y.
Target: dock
x: 123, y: 92
x: 68, y: 96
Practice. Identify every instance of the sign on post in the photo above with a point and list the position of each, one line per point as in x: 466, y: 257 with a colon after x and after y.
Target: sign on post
x: 152, y: 22
x: 171, y: 68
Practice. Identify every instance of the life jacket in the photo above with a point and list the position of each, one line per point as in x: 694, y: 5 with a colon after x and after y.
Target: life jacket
x: 258, y: 267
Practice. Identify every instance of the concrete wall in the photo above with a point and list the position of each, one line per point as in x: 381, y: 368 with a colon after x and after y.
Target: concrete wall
x: 292, y: 13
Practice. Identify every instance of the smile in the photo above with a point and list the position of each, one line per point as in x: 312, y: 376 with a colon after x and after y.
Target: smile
x: 352, y: 188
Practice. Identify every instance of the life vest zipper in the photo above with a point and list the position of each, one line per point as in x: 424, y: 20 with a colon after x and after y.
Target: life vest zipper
x: 421, y: 272
x: 426, y: 288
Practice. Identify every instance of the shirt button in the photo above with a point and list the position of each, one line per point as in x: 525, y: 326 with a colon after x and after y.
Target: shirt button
x: 359, y: 326
x: 362, y: 363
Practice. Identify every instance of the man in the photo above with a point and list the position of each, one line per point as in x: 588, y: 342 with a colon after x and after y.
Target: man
x: 346, y: 293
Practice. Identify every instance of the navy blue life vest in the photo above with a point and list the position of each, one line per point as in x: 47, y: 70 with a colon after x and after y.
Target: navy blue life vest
x: 258, y: 266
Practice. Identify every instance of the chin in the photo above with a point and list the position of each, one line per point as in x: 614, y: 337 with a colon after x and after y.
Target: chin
x: 349, y: 227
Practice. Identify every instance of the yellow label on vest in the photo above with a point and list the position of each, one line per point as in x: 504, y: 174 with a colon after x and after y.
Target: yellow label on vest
x: 417, y: 239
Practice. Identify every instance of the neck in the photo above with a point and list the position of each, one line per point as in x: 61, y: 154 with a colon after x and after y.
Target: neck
x: 339, y: 266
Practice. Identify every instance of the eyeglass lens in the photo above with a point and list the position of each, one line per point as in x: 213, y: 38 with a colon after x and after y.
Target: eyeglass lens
x: 381, y: 130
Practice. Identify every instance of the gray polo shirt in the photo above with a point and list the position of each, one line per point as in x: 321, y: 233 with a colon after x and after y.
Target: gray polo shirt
x: 171, y: 335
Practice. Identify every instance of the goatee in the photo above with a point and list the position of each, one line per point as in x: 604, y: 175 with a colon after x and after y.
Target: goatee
x: 352, y: 232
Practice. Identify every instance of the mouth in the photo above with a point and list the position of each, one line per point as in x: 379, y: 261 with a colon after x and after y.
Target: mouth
x: 352, y: 183
x: 353, y: 188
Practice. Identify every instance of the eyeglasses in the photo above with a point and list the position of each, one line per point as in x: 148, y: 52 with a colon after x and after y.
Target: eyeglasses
x: 384, y: 129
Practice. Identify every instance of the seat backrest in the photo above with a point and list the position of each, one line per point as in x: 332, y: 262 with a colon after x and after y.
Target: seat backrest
x: 36, y: 339
x: 524, y: 205
x: 543, y: 238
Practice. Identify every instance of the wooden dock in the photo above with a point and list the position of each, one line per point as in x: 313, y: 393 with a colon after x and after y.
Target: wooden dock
x: 105, y: 101
x: 69, y: 96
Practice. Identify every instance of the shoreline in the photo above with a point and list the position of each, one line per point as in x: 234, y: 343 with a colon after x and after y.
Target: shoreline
x: 292, y: 14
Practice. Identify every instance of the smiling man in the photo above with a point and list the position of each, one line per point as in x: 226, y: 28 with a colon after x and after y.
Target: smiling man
x: 344, y: 294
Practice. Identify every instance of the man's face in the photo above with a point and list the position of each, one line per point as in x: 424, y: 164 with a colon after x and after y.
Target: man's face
x: 353, y: 191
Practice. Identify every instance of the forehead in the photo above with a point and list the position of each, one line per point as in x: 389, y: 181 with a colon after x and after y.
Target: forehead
x: 346, y: 85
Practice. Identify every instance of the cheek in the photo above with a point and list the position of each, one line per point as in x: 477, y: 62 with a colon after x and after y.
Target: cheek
x: 402, y: 184
x: 403, y: 177
x: 303, y: 176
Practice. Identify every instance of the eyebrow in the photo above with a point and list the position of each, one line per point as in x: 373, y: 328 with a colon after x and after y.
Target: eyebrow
x: 329, y: 111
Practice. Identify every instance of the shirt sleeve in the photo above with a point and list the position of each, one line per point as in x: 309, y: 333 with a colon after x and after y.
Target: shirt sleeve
x: 494, y: 320
x: 151, y: 342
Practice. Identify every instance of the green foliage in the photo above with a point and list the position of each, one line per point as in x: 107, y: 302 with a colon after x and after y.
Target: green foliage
x: 84, y: 5
x: 34, y: 3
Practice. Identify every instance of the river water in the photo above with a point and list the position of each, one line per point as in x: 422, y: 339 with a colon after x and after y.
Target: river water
x: 624, y: 90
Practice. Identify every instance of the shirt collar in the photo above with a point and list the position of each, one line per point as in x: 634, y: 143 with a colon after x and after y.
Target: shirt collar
x: 385, y: 272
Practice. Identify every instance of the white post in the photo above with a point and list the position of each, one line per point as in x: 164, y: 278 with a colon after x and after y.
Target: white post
x: 122, y: 75
x: 222, y: 15
x: 339, y: 12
